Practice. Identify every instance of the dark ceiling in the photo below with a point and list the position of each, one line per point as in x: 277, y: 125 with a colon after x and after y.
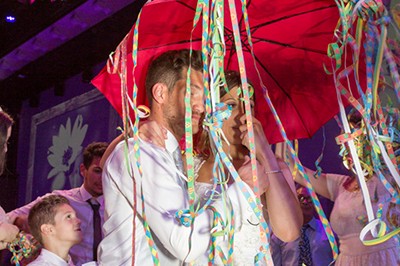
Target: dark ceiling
x: 94, y: 28
x: 76, y: 55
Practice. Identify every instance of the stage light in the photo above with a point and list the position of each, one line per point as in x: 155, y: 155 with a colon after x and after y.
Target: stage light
x: 10, y: 19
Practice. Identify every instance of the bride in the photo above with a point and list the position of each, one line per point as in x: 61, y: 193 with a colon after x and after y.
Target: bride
x: 280, y: 202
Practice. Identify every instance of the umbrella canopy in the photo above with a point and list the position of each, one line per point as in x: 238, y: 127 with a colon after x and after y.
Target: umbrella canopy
x: 290, y: 39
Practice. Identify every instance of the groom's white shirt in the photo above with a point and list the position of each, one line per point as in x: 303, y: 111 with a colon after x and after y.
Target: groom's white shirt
x: 164, y: 193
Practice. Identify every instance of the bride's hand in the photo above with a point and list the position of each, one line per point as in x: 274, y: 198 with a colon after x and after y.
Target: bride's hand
x: 261, y: 141
x: 153, y: 132
x: 245, y: 173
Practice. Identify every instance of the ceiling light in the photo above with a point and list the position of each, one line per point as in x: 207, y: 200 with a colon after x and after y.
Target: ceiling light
x: 10, y: 19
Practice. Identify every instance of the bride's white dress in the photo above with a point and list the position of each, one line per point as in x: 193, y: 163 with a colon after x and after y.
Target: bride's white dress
x: 247, y: 239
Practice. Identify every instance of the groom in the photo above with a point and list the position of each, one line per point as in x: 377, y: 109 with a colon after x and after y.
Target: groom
x: 163, y: 184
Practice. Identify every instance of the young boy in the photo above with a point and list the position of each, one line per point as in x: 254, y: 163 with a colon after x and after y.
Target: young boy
x: 53, y: 223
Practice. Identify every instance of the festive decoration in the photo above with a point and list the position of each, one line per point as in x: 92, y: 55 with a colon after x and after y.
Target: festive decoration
x: 23, y: 246
x: 371, y: 135
x: 289, y: 48
x: 223, y: 40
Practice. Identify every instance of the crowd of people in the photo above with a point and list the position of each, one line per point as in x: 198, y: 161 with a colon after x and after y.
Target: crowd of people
x: 122, y: 207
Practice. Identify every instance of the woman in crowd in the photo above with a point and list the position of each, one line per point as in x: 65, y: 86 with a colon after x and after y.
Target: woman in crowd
x: 8, y: 232
x: 349, y: 215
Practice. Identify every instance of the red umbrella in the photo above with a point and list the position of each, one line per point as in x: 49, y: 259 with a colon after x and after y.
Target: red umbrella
x: 290, y: 39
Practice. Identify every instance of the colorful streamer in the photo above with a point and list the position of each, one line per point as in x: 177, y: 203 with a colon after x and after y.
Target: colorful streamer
x: 371, y: 144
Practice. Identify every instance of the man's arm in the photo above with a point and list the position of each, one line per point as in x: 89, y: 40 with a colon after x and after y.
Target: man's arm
x: 3, y: 245
x: 283, y: 206
x: 149, y: 131
x: 8, y: 233
x: 19, y: 216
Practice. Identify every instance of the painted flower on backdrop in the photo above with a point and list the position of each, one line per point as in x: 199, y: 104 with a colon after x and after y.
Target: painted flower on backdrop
x: 66, y: 147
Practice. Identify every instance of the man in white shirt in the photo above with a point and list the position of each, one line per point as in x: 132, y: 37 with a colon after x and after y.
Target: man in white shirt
x: 54, y: 225
x: 163, y: 183
x: 81, y: 199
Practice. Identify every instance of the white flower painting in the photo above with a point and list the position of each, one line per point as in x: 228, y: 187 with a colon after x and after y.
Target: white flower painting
x: 66, y: 147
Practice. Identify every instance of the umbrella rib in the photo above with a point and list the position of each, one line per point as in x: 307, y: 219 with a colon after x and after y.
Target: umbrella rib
x: 287, y: 95
x: 254, y: 28
x: 229, y: 35
x: 186, y: 5
x: 288, y: 45
x: 231, y: 53
x: 163, y: 45
x: 229, y: 32
x: 272, y: 77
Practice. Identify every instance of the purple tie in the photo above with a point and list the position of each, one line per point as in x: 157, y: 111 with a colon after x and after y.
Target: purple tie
x: 96, y: 228
x: 304, y: 248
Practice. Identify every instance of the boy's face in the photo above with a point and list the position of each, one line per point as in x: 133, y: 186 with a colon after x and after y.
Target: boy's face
x: 67, y: 227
